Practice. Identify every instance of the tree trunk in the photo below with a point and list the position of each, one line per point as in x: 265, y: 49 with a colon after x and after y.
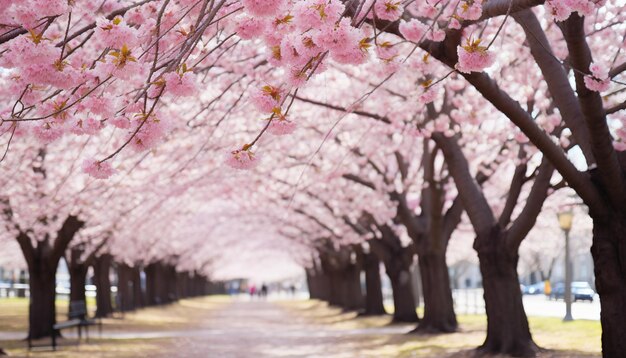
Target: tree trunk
x: 335, y: 287
x: 78, y: 279
x: 124, y: 290
x: 138, y: 294
x: 609, y: 255
x: 507, y: 325
x: 101, y: 268
x: 374, y: 294
x: 403, y: 300
x: 439, y: 316
x: 152, y: 296
x: 42, y: 311
x: 351, y: 294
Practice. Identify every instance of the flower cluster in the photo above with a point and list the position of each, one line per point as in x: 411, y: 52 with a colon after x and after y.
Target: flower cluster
x: 242, y: 158
x: 473, y: 57
x: 97, y: 169
x: 599, y: 80
x: 560, y: 10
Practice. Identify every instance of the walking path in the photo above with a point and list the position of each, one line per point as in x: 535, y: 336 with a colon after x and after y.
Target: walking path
x: 243, y: 328
x: 267, y: 329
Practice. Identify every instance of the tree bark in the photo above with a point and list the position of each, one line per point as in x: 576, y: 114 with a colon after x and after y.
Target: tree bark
x: 403, y: 300
x: 351, y: 294
x: 101, y: 268
x: 439, y: 316
x: 152, y: 289
x: 42, y: 261
x: 609, y: 255
x: 78, y: 279
x: 507, y: 324
x: 124, y: 289
x: 42, y: 310
x: 374, y: 295
x: 138, y: 294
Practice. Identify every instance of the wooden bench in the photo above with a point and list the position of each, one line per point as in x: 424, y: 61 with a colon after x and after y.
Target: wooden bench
x: 77, y: 317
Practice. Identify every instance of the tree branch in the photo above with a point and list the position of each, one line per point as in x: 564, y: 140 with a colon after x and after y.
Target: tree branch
x: 591, y: 104
x: 556, y: 78
x: 66, y: 233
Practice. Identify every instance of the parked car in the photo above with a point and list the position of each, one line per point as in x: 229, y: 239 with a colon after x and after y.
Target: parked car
x: 581, y: 291
x: 534, y: 289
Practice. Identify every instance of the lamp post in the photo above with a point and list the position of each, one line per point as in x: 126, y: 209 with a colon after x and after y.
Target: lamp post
x: 565, y: 221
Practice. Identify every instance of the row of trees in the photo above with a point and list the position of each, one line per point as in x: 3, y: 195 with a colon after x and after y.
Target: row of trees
x: 435, y: 120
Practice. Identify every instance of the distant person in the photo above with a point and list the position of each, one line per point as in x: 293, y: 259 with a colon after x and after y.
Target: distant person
x: 292, y: 289
x: 264, y: 290
x: 252, y: 291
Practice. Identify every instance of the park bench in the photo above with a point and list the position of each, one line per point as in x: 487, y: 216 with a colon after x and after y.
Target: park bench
x: 77, y: 317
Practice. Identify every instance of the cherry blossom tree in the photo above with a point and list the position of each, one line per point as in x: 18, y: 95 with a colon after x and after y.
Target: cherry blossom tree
x: 120, y: 71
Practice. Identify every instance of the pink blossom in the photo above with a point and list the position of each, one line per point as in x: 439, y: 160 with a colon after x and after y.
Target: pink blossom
x: 121, y: 122
x: 116, y: 33
x: 97, y: 169
x: 310, y: 14
x: 619, y: 146
x: 599, y: 71
x: 181, y: 85
x: 413, y: 30
x: 89, y: 126
x: 599, y: 80
x: 389, y: 10
x: 267, y: 98
x: 427, y: 96
x: 471, y: 10
x: 596, y: 85
x: 243, y: 159
x: 250, y: 27
x: 558, y: 9
x: 520, y: 137
x: 281, y: 126
x: 437, y: 35
x: 296, y: 77
x: 386, y: 51
x: 263, y: 7
x: 428, y: 10
x: 48, y: 131
x: 149, y: 135
x: 473, y: 57
x: 454, y: 24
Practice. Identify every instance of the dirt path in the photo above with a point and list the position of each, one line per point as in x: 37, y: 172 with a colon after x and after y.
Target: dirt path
x: 267, y: 329
x: 223, y: 327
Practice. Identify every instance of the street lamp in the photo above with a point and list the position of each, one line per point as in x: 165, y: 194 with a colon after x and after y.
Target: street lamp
x: 565, y: 221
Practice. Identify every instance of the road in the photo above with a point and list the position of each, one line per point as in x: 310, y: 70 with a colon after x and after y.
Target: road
x: 471, y: 301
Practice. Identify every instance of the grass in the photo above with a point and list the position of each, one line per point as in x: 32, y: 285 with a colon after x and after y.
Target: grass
x: 14, y: 312
x: 186, y: 314
x: 579, y: 338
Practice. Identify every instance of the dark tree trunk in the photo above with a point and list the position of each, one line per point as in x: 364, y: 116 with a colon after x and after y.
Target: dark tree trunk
x: 335, y: 287
x: 42, y: 261
x: 42, y: 311
x: 101, y: 268
x: 403, y: 300
x: 609, y: 255
x: 351, y: 294
x: 172, y: 283
x: 507, y: 325
x: 439, y: 316
x: 78, y: 279
x: 152, y: 289
x: 311, y: 284
x: 138, y: 294
x: 374, y: 294
x: 124, y: 289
